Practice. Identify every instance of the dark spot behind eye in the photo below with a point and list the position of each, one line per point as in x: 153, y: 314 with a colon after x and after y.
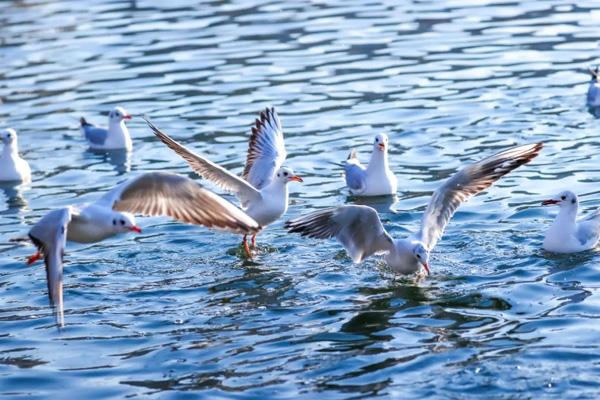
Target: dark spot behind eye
x: 114, y: 221
x: 563, y: 197
x: 573, y: 201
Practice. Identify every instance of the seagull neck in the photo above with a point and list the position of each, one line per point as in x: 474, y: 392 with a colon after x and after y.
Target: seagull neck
x: 10, y: 149
x: 566, y: 215
x: 116, y: 125
x: 378, y: 160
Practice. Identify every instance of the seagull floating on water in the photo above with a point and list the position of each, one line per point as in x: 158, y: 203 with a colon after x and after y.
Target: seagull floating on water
x: 567, y: 235
x: 360, y: 231
x: 12, y: 167
x: 376, y: 179
x: 262, y: 189
x: 116, y: 137
x: 150, y: 194
x: 593, y: 93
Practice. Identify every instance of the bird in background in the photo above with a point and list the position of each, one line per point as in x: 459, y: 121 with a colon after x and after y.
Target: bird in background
x: 376, y: 179
x: 13, y: 168
x: 149, y: 194
x: 115, y: 137
x: 360, y: 231
x: 593, y: 93
x: 567, y: 234
x: 262, y: 188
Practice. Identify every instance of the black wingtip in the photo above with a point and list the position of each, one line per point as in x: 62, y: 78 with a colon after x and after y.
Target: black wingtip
x: 83, y: 122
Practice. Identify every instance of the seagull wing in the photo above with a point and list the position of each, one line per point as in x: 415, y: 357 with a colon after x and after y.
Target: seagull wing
x: 167, y: 194
x: 465, y: 184
x: 356, y: 176
x: 49, y: 235
x: 266, y: 149
x: 209, y: 170
x: 93, y: 133
x: 357, y: 228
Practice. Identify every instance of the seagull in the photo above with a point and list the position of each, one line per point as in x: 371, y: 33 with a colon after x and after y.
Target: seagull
x: 376, y: 179
x: 12, y: 167
x: 149, y: 194
x: 593, y: 93
x: 360, y: 231
x: 116, y: 137
x: 262, y: 189
x: 567, y: 235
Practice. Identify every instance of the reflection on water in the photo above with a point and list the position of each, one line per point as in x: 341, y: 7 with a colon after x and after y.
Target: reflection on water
x: 176, y: 310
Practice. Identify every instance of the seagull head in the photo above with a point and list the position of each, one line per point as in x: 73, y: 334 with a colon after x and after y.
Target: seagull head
x: 124, y: 222
x: 565, y: 199
x: 117, y: 115
x: 421, y: 255
x: 381, y: 142
x: 8, y: 136
x: 286, y: 175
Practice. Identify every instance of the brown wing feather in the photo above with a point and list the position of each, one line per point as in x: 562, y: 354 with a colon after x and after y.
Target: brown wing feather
x: 161, y: 193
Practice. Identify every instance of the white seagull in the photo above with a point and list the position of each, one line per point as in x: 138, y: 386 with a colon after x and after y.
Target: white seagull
x: 567, y: 235
x: 116, y: 137
x: 262, y: 189
x: 150, y: 194
x: 377, y: 179
x: 360, y: 231
x: 12, y: 167
x: 593, y: 93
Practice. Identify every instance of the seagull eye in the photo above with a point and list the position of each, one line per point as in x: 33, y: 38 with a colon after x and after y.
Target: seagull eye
x: 376, y: 140
x: 563, y: 197
x: 122, y: 222
x: 278, y: 175
x: 9, y: 135
x: 418, y: 256
x: 285, y: 174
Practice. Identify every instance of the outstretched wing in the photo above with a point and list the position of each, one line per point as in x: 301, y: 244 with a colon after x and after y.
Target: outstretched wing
x: 356, y: 176
x: 49, y: 235
x: 266, y: 149
x: 93, y: 133
x: 209, y: 170
x: 167, y: 194
x: 466, y: 183
x: 357, y: 228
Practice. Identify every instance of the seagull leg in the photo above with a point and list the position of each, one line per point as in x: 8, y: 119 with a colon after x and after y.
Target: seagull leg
x: 246, y: 248
x: 34, y: 258
x: 253, y: 241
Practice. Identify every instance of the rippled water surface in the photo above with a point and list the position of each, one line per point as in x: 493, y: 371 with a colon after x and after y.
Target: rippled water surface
x: 176, y: 313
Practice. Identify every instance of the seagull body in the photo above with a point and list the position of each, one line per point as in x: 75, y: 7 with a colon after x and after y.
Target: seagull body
x: 360, y: 231
x: 150, y: 194
x: 262, y: 189
x: 12, y: 167
x: 593, y: 93
x: 567, y: 234
x: 115, y: 137
x: 377, y: 179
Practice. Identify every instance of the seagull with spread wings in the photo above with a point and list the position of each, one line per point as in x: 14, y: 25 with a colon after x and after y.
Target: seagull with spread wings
x: 360, y: 231
x: 262, y: 189
x: 149, y: 194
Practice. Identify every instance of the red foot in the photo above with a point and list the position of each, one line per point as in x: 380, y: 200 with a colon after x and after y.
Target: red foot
x: 34, y: 258
x: 246, y: 248
x: 253, y: 241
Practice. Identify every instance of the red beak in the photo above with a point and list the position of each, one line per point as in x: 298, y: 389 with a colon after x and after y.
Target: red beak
x: 381, y: 146
x: 295, y: 178
x: 550, y: 202
x: 426, y: 266
x: 136, y: 229
x: 127, y: 116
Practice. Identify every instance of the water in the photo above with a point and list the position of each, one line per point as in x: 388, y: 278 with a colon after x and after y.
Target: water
x: 175, y: 313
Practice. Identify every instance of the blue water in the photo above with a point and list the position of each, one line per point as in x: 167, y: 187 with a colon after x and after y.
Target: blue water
x: 176, y: 313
